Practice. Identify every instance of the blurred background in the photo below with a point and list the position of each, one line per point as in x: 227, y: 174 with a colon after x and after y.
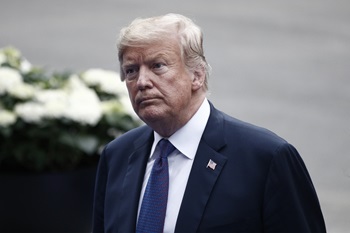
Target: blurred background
x: 283, y: 65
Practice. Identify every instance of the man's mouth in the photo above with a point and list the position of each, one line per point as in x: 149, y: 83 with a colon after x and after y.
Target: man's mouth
x: 146, y: 100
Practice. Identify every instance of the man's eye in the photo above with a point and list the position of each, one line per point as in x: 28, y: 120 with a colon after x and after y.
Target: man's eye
x: 158, y: 65
x: 130, y: 71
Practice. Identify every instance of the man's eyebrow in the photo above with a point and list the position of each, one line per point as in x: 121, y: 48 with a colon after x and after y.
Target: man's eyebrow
x: 165, y: 56
x: 128, y: 64
x: 129, y: 61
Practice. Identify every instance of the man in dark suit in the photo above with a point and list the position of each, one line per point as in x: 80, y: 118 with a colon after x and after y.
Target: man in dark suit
x: 224, y: 175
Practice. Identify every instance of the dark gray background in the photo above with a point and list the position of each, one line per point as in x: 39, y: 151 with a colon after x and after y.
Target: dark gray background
x: 283, y: 65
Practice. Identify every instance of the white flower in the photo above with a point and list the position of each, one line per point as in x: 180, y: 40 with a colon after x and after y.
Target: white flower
x: 76, y: 102
x: 84, y: 107
x: 92, y: 77
x: 54, y: 101
x: 121, y: 105
x: 82, y: 103
x: 55, y: 109
x: 30, y: 112
x: 108, y: 106
x: 25, y: 66
x: 108, y: 81
x: 9, y: 78
x: 125, y: 101
x: 74, y: 82
x: 3, y: 58
x: 22, y: 91
x: 55, y: 95
x: 7, y: 118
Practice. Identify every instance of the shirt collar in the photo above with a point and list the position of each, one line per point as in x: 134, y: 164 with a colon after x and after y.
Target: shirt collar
x: 187, y: 138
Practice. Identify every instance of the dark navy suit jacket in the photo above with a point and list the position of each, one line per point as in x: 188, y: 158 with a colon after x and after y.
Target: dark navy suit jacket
x: 260, y: 183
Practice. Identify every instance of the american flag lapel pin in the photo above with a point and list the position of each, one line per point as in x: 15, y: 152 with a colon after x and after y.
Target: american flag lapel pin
x: 211, y: 164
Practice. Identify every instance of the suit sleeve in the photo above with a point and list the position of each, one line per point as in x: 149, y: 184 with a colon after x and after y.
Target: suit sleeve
x: 290, y: 200
x: 99, y: 197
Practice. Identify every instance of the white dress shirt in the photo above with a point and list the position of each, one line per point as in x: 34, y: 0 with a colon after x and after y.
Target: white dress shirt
x: 186, y: 141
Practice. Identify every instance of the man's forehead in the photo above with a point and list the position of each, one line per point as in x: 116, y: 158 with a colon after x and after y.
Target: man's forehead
x: 150, y: 52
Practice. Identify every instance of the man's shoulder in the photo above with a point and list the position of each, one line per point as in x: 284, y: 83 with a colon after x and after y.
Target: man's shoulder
x: 252, y: 141
x: 239, y: 130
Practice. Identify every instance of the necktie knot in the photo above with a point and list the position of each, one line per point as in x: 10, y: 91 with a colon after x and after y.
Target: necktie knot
x: 166, y: 148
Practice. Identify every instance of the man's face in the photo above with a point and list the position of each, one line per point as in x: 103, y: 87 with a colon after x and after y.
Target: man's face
x: 159, y: 84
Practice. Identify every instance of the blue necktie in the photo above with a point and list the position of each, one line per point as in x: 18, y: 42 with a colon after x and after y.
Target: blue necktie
x: 154, y: 203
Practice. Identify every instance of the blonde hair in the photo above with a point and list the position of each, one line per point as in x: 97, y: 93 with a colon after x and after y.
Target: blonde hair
x: 142, y: 32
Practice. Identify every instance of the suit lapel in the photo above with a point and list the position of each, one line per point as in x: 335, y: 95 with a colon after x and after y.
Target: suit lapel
x: 202, y: 178
x: 133, y: 183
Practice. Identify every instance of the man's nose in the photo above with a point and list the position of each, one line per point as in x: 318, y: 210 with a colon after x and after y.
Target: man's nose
x: 144, y: 80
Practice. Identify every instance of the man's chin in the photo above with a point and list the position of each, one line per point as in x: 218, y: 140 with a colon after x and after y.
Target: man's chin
x: 150, y: 114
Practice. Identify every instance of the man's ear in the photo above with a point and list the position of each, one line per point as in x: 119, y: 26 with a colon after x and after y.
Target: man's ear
x: 198, y: 78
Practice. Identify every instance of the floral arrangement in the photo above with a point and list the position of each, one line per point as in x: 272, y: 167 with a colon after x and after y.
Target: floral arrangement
x: 57, y: 121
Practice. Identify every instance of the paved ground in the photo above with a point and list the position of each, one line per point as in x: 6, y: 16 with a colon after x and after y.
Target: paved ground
x: 280, y: 64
